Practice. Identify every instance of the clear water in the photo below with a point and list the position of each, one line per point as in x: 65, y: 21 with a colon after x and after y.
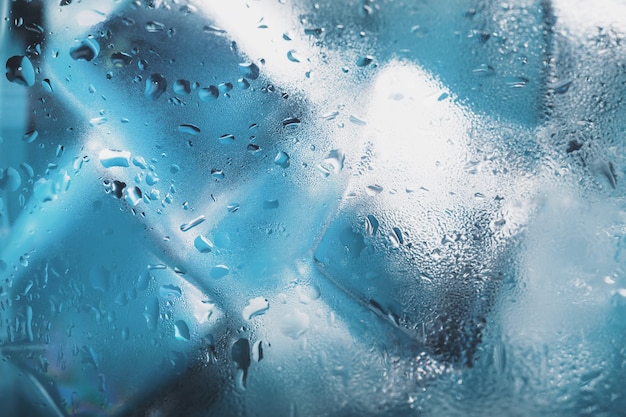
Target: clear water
x: 295, y: 208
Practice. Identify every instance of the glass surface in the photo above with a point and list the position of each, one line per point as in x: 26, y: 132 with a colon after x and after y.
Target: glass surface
x: 313, y: 208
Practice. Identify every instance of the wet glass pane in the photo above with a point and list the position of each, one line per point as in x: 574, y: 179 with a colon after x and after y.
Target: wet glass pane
x: 299, y: 208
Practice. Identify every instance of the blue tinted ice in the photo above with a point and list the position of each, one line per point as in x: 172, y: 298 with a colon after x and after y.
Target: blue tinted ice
x: 292, y: 208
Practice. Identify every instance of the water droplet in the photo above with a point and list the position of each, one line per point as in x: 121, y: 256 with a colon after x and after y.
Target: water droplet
x: 232, y: 207
x: 357, y: 120
x: 20, y: 71
x: 152, y: 178
x: 364, y: 61
x: 291, y: 122
x: 334, y: 161
x: 314, y: 31
x: 154, y: 27
x: 373, y: 190
x: 282, y: 160
x: 227, y: 138
x: 294, y: 324
x: 225, y: 87
x: 144, y: 280
x: 121, y: 59
x: 270, y: 204
x: 10, y: 179
x: 87, y: 50
x: 182, y: 87
x: 151, y: 313
x: 189, y: 129
x: 30, y: 136
x: 99, y: 278
x: 257, y: 351
x: 156, y: 85
x: 243, y: 83
x: 371, y: 225
x: 249, y: 70
x: 562, y: 86
x: 213, y: 29
x: 219, y: 271
x: 203, y: 244
x: 330, y: 115
x: 293, y: 56
x: 188, y: 226
x: 307, y: 293
x: 218, y: 174
x: 396, y: 237
x: 256, y: 307
x: 516, y: 82
x: 254, y: 149
x: 142, y: 64
x: 114, y: 158
x: 209, y: 93
x: 181, y: 331
x: 484, y: 71
x: 97, y: 121
x: 132, y: 195
x: 240, y: 354
x: 47, y: 85
x: 169, y: 291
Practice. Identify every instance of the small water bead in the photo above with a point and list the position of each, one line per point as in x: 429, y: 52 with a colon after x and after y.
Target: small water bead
x: 189, y: 129
x: 256, y: 307
x: 182, y: 87
x: 202, y: 244
x: 121, y: 59
x: 209, y: 93
x: 193, y: 223
x: 156, y: 85
x: 114, y: 158
x: 154, y: 26
x: 87, y: 50
x: 249, y: 70
x: 282, y: 160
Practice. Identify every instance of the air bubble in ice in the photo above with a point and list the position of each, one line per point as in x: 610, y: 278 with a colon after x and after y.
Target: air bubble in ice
x: 282, y: 160
x: 256, y: 307
x: 219, y: 271
x: 156, y: 84
x: 87, y: 50
x: 209, y: 93
x: 114, y: 158
x: 249, y: 70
